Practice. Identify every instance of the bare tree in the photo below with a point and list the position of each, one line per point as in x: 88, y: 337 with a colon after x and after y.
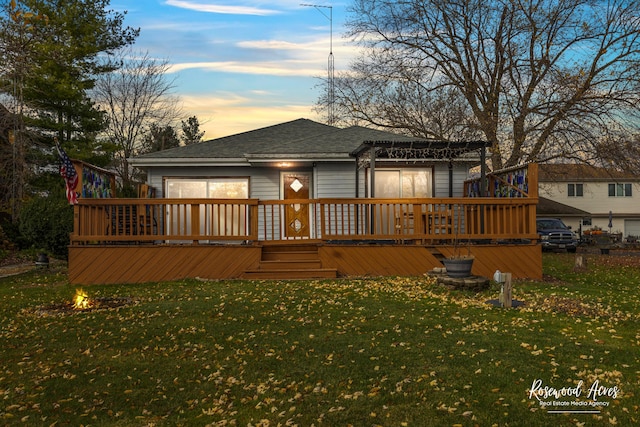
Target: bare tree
x: 398, y: 98
x: 135, y: 98
x: 541, y: 78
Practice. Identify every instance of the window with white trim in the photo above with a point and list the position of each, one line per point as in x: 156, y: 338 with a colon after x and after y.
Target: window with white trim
x: 575, y: 190
x: 620, y: 190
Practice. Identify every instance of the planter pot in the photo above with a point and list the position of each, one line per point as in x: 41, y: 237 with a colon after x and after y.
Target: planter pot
x: 42, y: 261
x: 458, y: 267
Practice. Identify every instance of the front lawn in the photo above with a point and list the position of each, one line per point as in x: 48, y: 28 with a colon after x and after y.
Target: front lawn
x: 362, y: 352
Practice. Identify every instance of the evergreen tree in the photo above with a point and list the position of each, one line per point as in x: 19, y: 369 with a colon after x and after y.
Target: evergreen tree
x: 160, y: 138
x: 191, y: 133
x: 65, y: 48
x: 49, y: 50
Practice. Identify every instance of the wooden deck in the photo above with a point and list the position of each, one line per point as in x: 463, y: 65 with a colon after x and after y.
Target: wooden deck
x: 143, y: 240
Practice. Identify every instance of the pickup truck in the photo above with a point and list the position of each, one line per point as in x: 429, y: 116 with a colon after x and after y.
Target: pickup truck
x: 554, y: 235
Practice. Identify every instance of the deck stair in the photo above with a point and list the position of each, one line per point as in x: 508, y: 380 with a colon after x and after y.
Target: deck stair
x: 436, y: 253
x: 290, y: 262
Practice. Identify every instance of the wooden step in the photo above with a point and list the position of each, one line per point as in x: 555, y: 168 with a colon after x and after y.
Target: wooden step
x: 290, y: 255
x: 291, y: 261
x: 436, y: 254
x: 290, y: 264
x: 290, y: 247
x: 292, y: 274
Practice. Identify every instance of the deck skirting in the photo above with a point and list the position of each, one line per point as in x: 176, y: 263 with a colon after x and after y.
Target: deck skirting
x: 102, y: 264
x: 154, y: 263
x: 522, y: 260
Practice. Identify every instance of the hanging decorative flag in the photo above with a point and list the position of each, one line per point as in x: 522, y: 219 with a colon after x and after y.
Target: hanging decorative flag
x: 69, y: 174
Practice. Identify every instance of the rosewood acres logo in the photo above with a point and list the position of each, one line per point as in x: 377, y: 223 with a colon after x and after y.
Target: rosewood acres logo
x: 578, y: 399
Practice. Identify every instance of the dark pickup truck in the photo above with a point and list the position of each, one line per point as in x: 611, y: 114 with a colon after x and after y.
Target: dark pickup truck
x: 554, y: 234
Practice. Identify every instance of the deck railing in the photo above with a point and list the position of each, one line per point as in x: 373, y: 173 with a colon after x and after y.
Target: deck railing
x: 195, y: 221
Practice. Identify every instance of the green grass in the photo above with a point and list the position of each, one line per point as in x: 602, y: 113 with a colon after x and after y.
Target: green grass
x: 359, y: 352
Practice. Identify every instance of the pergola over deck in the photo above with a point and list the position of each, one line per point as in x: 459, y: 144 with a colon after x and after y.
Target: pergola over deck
x: 418, y: 151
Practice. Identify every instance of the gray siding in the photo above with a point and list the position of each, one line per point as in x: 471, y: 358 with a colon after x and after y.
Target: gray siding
x: 336, y: 180
x: 265, y: 184
x: 441, y: 178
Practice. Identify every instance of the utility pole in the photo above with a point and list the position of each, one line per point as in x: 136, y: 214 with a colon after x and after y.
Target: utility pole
x: 330, y: 65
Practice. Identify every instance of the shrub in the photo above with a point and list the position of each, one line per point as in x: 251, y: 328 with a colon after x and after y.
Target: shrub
x: 45, y: 224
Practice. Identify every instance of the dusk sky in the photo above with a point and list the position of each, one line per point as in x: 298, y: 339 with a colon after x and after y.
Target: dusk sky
x: 242, y: 64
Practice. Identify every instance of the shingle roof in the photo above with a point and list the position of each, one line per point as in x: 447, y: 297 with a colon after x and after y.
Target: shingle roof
x: 297, y: 139
x: 337, y: 141
x: 236, y: 146
x: 300, y: 138
x: 548, y: 207
x: 579, y: 172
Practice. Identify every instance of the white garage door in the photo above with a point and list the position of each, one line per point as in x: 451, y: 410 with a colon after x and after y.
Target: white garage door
x: 632, y: 227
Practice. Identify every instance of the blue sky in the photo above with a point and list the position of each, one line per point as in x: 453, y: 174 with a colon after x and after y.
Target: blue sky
x: 242, y: 64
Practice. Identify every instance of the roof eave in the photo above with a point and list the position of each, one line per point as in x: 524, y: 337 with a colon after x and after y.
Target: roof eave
x: 298, y: 156
x: 175, y: 162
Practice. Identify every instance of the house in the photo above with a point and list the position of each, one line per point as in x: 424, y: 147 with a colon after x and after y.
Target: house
x: 548, y: 208
x: 606, y: 196
x: 303, y: 199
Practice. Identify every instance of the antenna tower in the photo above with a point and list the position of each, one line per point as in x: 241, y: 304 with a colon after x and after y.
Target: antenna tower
x: 330, y: 64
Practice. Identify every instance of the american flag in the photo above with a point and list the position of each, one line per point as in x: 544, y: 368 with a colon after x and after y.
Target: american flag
x: 70, y: 176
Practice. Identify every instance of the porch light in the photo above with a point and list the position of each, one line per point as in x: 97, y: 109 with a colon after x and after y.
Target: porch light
x: 284, y: 164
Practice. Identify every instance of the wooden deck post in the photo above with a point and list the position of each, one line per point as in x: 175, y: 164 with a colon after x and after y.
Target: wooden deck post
x: 253, y: 213
x: 195, y: 221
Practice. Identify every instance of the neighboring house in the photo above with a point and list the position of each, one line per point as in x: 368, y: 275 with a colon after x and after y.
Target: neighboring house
x: 568, y: 214
x: 606, y: 197
x: 304, y: 199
